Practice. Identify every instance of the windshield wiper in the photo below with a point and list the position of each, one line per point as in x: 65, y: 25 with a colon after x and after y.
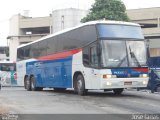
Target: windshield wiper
x: 133, y: 56
x: 122, y: 60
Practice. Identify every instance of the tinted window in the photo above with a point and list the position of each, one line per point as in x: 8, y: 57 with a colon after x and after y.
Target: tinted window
x: 27, y: 52
x: 20, y: 54
x: 51, y: 45
x: 43, y: 48
x: 76, y: 38
x: 86, y: 56
x: 34, y: 52
x: 120, y: 31
x: 93, y: 56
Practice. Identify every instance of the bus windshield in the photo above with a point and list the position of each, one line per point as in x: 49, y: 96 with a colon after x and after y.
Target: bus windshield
x: 7, y: 67
x: 123, y: 53
x: 119, y: 31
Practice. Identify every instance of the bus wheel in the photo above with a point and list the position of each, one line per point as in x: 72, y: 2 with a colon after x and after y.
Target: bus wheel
x: 33, y: 85
x: 27, y: 84
x: 33, y: 88
x: 80, y: 85
x: 118, y: 91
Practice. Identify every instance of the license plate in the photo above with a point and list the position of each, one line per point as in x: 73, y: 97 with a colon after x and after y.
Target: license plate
x: 128, y: 83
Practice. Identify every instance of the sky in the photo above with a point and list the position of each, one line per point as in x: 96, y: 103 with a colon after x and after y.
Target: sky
x: 41, y: 8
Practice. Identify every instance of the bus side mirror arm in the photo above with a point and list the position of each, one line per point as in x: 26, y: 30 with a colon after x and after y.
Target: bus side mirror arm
x: 98, y: 50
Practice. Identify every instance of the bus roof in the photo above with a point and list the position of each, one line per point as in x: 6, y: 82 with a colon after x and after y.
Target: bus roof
x: 81, y: 25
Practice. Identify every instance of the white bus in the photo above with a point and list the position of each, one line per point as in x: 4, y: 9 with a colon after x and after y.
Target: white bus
x: 8, y: 73
x: 106, y: 55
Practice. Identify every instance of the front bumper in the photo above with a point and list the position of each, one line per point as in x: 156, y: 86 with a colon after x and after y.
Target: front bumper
x: 124, y: 83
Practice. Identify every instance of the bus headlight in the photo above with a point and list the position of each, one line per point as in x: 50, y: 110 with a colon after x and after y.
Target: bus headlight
x: 108, y: 83
x: 107, y: 76
x: 145, y: 82
x: 143, y: 75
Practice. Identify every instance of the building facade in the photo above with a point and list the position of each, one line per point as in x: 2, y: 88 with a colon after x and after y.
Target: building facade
x: 24, y: 29
x: 67, y: 18
x: 149, y: 19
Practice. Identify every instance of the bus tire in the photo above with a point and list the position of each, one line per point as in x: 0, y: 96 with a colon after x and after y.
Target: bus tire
x: 33, y: 85
x: 118, y: 91
x: 28, y: 84
x: 25, y: 82
x: 80, y: 85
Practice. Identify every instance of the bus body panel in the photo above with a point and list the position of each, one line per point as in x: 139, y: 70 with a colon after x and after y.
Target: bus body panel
x: 52, y: 73
x: 21, y: 72
x: 125, y: 78
x: 55, y: 59
x: 94, y: 77
x: 59, y: 73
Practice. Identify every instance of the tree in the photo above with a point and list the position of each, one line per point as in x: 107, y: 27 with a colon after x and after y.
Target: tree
x: 107, y: 9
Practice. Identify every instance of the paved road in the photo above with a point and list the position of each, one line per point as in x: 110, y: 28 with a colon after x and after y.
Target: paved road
x: 19, y: 101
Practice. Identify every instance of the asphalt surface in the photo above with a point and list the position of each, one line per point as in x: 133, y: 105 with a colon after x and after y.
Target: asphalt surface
x: 16, y: 100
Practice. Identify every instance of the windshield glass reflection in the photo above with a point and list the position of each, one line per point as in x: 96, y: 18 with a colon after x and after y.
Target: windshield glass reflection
x: 136, y: 53
x: 116, y: 53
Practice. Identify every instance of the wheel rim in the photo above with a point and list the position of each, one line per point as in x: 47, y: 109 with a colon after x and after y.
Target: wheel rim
x: 27, y: 83
x: 32, y: 84
x: 79, y: 84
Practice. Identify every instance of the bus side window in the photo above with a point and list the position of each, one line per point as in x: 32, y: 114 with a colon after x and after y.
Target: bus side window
x: 27, y: 52
x: 86, y: 56
x: 20, y: 54
x: 93, y: 56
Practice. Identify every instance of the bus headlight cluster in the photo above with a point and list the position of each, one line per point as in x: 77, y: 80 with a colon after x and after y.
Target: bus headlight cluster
x: 107, y: 76
x: 108, y: 83
x: 145, y: 82
x: 143, y: 75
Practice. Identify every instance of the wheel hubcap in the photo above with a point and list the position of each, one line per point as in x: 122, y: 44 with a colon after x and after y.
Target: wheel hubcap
x: 27, y: 81
x: 79, y: 85
x: 32, y: 85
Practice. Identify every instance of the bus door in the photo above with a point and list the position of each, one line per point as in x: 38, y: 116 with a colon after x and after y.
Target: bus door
x: 94, y: 73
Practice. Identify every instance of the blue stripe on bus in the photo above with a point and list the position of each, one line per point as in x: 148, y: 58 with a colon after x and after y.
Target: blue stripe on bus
x: 53, y: 73
x: 128, y: 72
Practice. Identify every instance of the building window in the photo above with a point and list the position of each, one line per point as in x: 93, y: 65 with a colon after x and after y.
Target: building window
x: 154, y: 52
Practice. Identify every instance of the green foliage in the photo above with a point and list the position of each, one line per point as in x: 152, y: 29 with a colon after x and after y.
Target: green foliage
x: 107, y: 9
